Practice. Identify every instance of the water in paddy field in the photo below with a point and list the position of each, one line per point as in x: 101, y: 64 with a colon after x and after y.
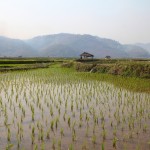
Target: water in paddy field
x: 49, y: 110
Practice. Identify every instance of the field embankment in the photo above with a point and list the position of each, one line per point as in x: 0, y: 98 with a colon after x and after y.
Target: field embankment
x: 131, y: 75
x: 126, y: 68
x: 23, y: 64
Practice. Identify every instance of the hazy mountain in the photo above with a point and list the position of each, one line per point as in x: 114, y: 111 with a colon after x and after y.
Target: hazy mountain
x: 74, y: 45
x: 146, y: 46
x: 136, y: 51
x: 14, y: 47
x: 69, y: 45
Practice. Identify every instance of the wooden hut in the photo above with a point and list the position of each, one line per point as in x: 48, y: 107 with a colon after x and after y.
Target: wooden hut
x: 86, y: 55
x: 107, y: 57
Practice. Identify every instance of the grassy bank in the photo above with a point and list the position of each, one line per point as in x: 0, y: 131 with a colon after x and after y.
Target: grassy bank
x: 140, y: 69
x: 17, y: 67
x: 129, y: 79
x: 129, y: 83
x: 14, y: 64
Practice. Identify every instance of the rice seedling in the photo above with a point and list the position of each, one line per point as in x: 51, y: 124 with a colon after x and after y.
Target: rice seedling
x: 94, y: 139
x: 9, y: 146
x: 73, y: 136
x: 43, y: 146
x: 35, y: 147
x: 48, y: 134
x: 8, y: 135
x: 53, y: 143
x: 69, y: 121
x: 103, y: 146
x: 71, y: 147
x: 62, y: 132
x: 104, y: 134
x: 115, y: 142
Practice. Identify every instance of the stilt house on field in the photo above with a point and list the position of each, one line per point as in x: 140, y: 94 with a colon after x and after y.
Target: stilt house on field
x: 86, y: 55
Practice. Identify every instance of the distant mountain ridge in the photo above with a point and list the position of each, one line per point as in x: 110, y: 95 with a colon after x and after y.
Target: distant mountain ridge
x: 146, y: 46
x: 15, y: 47
x: 69, y: 45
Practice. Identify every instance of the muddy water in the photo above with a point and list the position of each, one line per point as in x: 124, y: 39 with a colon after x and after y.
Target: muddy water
x: 88, y: 112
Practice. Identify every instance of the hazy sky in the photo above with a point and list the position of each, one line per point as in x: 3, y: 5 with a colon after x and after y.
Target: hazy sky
x: 127, y: 21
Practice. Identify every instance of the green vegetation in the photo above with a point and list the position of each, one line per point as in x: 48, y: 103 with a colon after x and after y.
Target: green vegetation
x: 60, y: 108
x: 137, y: 78
x: 4, y: 68
x: 15, y: 64
x: 130, y: 68
x: 132, y: 84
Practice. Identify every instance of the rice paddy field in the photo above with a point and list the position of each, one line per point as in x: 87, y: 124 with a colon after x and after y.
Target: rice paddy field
x: 59, y: 108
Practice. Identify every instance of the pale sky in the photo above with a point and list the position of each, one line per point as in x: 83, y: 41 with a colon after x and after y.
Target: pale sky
x: 127, y: 21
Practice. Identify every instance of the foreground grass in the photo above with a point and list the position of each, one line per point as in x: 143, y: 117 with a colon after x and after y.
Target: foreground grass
x: 60, y: 108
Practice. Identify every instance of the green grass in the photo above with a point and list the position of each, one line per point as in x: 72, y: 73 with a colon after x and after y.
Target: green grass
x: 129, y: 83
x: 140, y: 69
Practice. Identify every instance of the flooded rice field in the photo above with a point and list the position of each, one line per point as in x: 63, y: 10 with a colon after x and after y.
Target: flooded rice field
x: 56, y: 109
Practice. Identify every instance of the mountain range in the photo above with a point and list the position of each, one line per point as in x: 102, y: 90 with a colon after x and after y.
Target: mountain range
x: 146, y: 46
x: 71, y: 45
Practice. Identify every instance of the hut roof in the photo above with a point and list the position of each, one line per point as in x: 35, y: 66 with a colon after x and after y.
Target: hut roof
x: 107, y: 57
x: 87, y: 54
